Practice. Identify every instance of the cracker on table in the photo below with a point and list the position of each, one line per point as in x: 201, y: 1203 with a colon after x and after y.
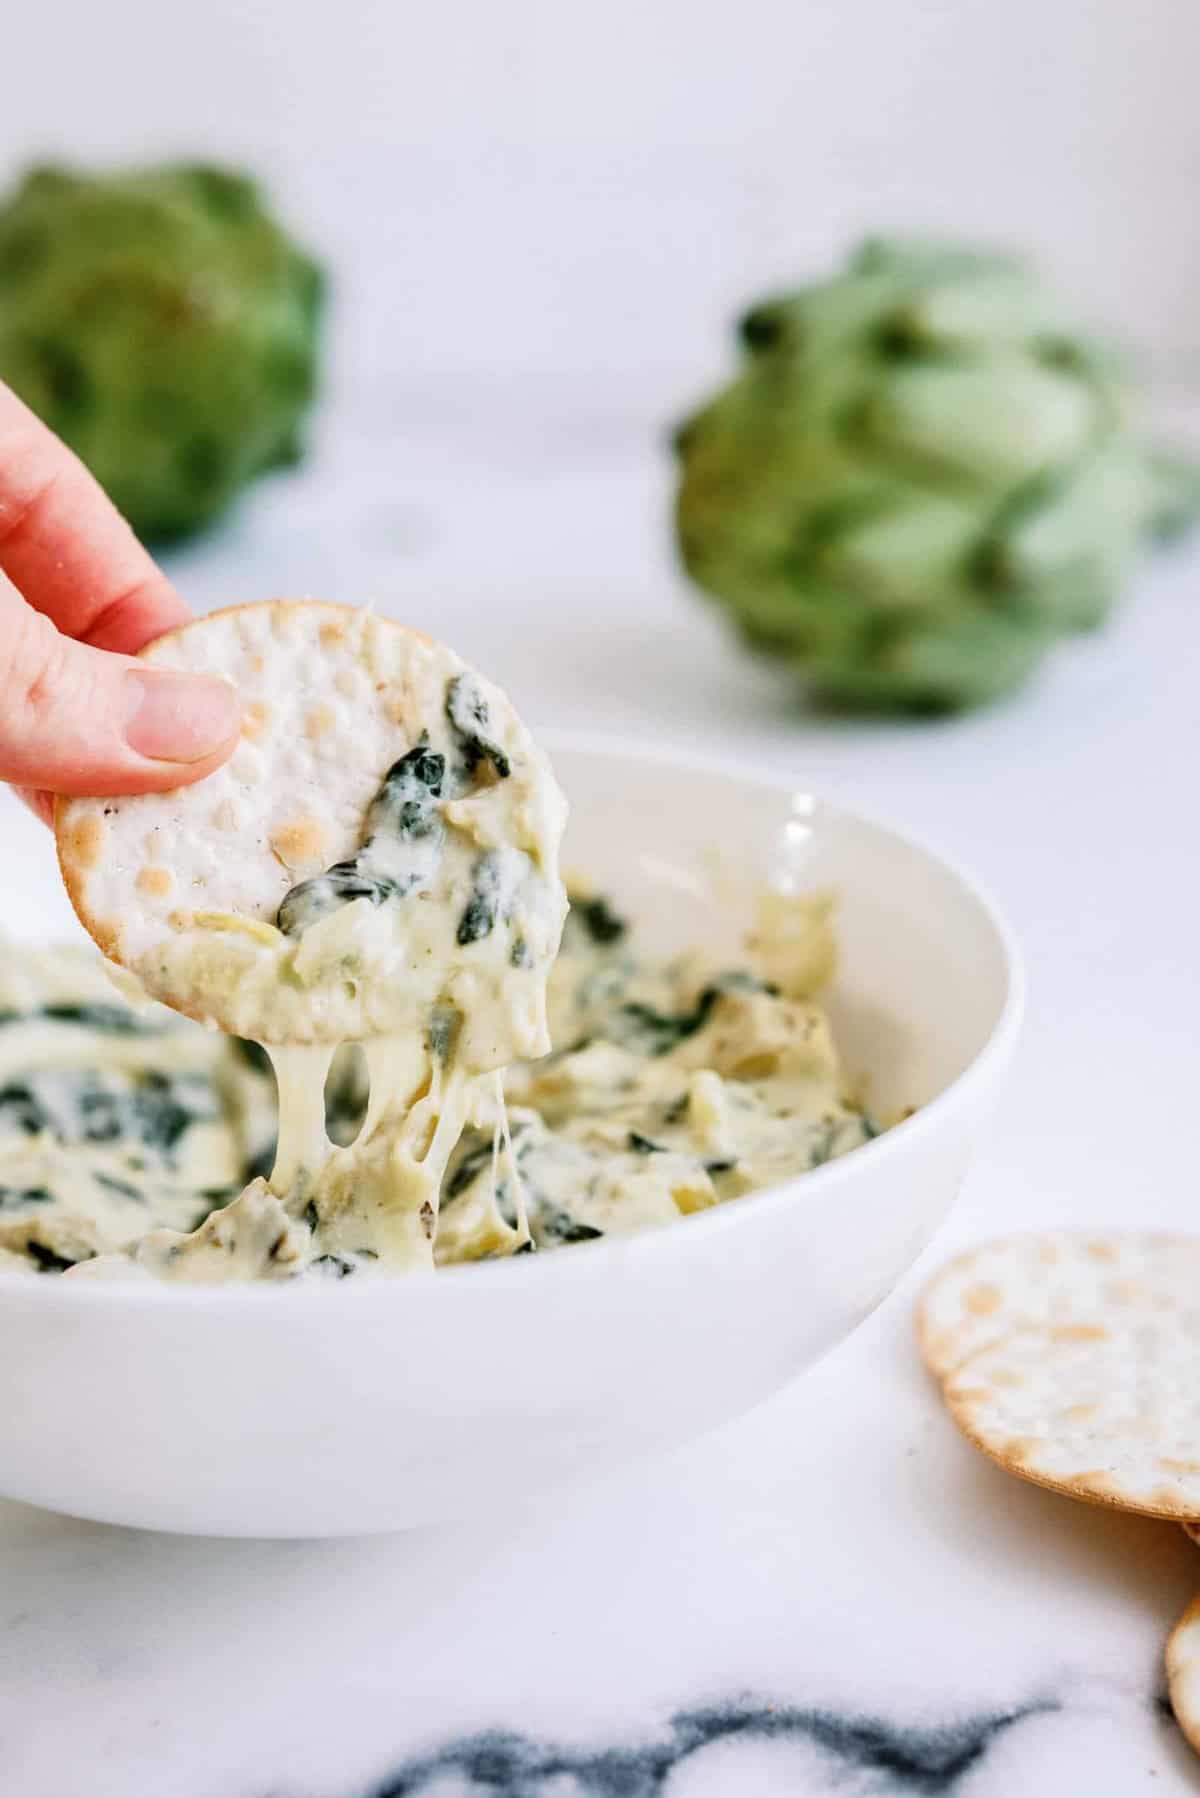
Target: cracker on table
x: 1104, y: 1408
x: 1055, y: 1277
x: 1183, y: 1673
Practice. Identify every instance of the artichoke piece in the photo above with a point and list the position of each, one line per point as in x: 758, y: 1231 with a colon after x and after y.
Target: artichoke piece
x: 952, y: 316
x: 897, y: 552
x: 989, y: 425
x: 921, y: 479
x: 1175, y: 495
x: 165, y: 326
x: 823, y: 320
x: 924, y: 259
x: 1064, y: 546
x: 971, y: 657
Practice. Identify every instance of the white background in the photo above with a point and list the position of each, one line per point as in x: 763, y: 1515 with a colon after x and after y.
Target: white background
x: 540, y: 216
x: 586, y: 188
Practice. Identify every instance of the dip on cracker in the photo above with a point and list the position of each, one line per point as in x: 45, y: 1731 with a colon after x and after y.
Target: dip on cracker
x: 377, y: 862
x: 378, y: 856
x: 376, y: 867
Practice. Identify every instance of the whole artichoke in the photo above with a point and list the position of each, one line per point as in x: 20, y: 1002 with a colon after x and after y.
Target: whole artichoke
x: 165, y: 326
x: 923, y: 477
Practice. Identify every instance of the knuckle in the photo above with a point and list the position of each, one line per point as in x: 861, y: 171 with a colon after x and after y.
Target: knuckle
x: 34, y: 669
x: 19, y: 519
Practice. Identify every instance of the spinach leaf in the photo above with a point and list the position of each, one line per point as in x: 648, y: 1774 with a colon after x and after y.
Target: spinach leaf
x: 444, y: 1027
x: 406, y: 804
x: 49, y: 1261
x: 85, y: 1106
x: 121, y: 1187
x: 13, y: 1198
x: 253, y: 1054
x: 109, y: 1020
x: 469, y: 1166
x: 660, y: 1032
x: 664, y: 1031
x: 556, y: 1225
x: 599, y: 920
x: 259, y: 1165
x: 479, y: 917
x: 402, y: 816
x: 334, y: 1267
x: 467, y: 711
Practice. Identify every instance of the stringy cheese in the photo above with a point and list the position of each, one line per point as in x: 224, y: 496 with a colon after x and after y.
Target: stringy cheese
x: 394, y: 881
x: 671, y: 1088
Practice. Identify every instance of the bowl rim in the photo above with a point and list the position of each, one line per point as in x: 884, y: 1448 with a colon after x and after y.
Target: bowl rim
x: 808, y: 1188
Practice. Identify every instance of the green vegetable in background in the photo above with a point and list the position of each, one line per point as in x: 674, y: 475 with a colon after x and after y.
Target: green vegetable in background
x: 922, y: 478
x: 164, y: 325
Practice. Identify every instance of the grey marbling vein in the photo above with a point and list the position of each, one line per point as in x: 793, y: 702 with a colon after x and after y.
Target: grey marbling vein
x: 888, y: 1757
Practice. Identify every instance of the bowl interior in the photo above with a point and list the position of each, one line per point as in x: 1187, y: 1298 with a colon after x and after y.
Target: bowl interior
x: 373, y: 1405
x: 923, y: 970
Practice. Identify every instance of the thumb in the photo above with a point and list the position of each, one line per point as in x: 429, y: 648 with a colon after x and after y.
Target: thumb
x: 80, y: 720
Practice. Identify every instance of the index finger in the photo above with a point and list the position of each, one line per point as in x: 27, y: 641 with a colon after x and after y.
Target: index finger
x: 65, y: 545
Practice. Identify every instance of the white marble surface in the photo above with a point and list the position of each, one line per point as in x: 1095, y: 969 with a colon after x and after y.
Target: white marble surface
x: 840, y: 1555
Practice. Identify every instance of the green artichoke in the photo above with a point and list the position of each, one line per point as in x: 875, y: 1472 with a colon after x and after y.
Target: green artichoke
x: 165, y: 326
x: 922, y: 478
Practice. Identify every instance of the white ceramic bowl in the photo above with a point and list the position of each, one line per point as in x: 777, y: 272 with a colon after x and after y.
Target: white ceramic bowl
x: 366, y: 1406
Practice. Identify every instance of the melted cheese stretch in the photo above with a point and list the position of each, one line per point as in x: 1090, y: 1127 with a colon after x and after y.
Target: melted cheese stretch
x: 671, y: 1088
x: 123, y: 1136
x: 431, y: 944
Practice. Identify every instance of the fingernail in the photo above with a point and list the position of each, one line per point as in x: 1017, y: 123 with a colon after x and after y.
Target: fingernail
x: 179, y: 717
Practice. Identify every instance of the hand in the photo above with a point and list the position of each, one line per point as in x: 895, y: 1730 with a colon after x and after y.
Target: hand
x: 78, y: 597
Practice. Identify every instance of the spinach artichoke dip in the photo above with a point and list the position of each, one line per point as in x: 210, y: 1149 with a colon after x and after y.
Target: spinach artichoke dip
x: 416, y: 1062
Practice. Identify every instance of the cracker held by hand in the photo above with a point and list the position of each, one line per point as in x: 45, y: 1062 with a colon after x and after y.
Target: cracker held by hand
x: 1059, y: 1277
x: 377, y: 858
x: 1183, y: 1673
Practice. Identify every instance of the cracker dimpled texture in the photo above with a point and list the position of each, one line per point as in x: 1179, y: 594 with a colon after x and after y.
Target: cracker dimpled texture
x: 1052, y: 1277
x: 184, y: 888
x: 1071, y: 1359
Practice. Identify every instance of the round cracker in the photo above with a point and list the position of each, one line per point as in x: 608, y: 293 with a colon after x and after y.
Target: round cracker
x: 1106, y: 1410
x: 1057, y: 1277
x: 1183, y: 1673
x: 184, y: 888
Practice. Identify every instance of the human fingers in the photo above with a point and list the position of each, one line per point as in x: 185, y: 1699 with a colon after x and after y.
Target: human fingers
x: 65, y: 545
x: 75, y: 719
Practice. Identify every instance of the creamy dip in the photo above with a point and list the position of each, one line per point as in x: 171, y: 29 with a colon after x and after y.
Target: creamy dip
x: 127, y: 1135
x: 376, y: 863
